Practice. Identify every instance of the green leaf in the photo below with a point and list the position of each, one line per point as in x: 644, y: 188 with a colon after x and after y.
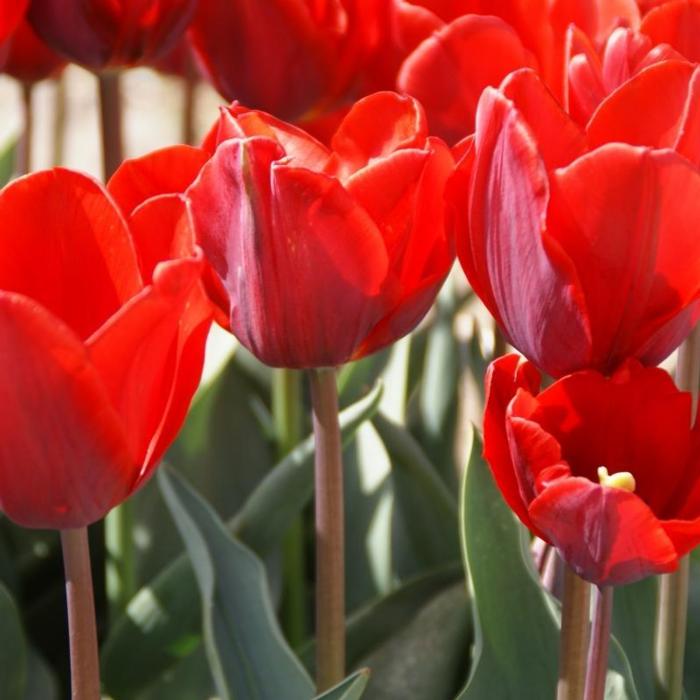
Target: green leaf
x: 352, y: 688
x: 247, y: 654
x: 162, y: 622
x: 375, y: 623
x: 13, y: 650
x: 427, y: 509
x: 41, y: 683
x: 511, y: 661
x: 8, y: 153
x: 428, y: 658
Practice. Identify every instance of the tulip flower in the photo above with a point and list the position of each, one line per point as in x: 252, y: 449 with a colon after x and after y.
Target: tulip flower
x: 606, y: 469
x: 102, y: 33
x: 29, y: 58
x: 289, y: 58
x: 583, y: 244
x: 453, y: 50
x: 102, y: 345
x: 677, y: 23
x: 324, y: 255
x: 11, y: 14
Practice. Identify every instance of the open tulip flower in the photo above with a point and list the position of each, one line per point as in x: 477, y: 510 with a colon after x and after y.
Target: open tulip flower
x: 583, y: 243
x: 324, y: 255
x: 103, y: 342
x: 607, y: 469
x: 102, y: 33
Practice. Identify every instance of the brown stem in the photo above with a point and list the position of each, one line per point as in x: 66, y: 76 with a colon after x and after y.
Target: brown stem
x: 574, y: 637
x: 500, y: 347
x: 190, y: 94
x: 330, y: 569
x: 59, y: 121
x: 110, y: 122
x: 85, y: 669
x: 600, y: 643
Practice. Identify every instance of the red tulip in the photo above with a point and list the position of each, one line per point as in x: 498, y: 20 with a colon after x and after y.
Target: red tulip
x: 102, y: 345
x: 636, y: 517
x: 11, y: 14
x: 676, y: 23
x: 324, y: 254
x: 582, y: 245
x: 29, y: 58
x: 287, y: 57
x: 101, y: 33
x: 454, y: 49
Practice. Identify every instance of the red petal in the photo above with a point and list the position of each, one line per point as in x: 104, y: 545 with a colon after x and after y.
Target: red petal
x: 314, y: 261
x: 375, y: 127
x: 11, y: 14
x: 448, y: 71
x: 688, y: 139
x: 659, y: 93
x: 166, y: 171
x: 583, y: 76
x: 676, y: 23
x: 624, y: 51
x: 503, y: 379
x: 66, y: 245
x: 608, y: 536
x: 64, y: 460
x: 30, y: 59
x: 138, y: 354
x: 532, y: 284
x: 638, y: 264
x: 559, y: 139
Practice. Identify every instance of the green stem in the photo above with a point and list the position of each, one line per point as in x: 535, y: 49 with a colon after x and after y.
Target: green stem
x: 672, y: 610
x: 574, y: 637
x: 330, y: 562
x: 121, y: 553
x: 82, y: 630
x: 110, y: 122
x: 286, y: 411
x: 600, y: 644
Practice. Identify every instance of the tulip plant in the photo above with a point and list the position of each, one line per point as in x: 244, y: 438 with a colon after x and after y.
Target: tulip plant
x: 453, y: 453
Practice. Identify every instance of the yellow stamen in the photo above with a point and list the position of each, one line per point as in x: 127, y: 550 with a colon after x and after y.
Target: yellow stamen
x: 619, y: 480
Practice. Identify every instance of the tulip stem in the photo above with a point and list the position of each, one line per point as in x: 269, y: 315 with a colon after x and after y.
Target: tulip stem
x: 23, y: 163
x: 82, y: 629
x: 121, y: 556
x: 59, y: 121
x: 286, y: 410
x: 330, y: 568
x: 573, y: 644
x: 600, y: 644
x: 110, y: 122
x: 672, y: 610
x: 189, y: 99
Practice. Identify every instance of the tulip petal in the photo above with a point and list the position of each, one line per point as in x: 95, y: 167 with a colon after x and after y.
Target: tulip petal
x: 64, y: 241
x: 64, y: 459
x: 376, y: 126
x: 659, y: 93
x: 138, y: 354
x: 302, y: 262
x: 504, y: 377
x: 449, y: 70
x: 676, y: 23
x: 559, y: 139
x: 11, y: 14
x: 166, y: 171
x: 688, y: 139
x: 533, y: 287
x: 608, y: 536
x: 635, y: 243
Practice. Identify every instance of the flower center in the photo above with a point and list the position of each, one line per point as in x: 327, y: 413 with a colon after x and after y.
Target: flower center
x: 619, y: 480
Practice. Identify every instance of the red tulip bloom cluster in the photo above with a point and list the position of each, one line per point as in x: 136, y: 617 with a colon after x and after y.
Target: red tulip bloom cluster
x: 103, y: 342
x: 324, y: 255
x: 583, y: 243
x: 101, y: 33
x: 607, y: 469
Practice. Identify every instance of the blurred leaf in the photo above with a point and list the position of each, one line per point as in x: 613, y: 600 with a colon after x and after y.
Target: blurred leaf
x: 511, y: 661
x: 633, y: 627
x: 619, y: 683
x: 692, y: 646
x: 439, y: 387
x: 247, y: 654
x: 41, y: 683
x: 8, y: 153
x: 355, y: 378
x: 13, y: 650
x: 190, y: 678
x: 352, y: 688
x: 426, y: 508
x: 428, y: 658
x: 162, y: 622
x: 375, y: 623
